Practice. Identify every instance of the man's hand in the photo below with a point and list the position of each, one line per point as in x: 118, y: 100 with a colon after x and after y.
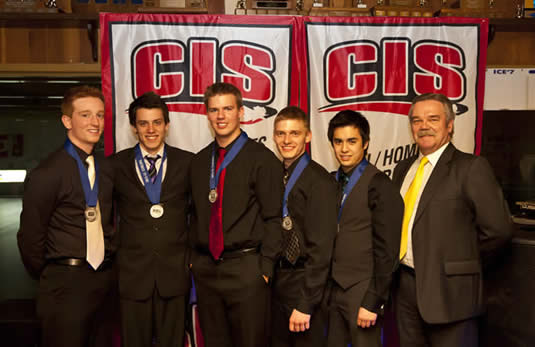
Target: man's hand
x: 266, y: 278
x: 366, y: 318
x: 299, y: 321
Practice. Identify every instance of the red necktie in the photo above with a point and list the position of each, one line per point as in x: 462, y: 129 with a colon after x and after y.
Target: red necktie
x: 215, y: 242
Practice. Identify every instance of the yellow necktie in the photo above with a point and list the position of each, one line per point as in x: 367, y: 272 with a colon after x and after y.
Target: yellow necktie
x: 410, y: 200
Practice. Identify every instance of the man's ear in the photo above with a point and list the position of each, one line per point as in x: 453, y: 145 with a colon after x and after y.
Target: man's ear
x: 67, y: 121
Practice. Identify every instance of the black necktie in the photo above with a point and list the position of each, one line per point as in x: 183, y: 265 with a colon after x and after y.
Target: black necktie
x: 291, y: 239
x: 343, y: 179
x: 152, y: 168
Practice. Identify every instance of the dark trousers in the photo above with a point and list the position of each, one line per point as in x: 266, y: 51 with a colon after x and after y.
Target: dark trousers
x: 415, y: 332
x: 288, y: 287
x: 233, y: 301
x: 343, y: 311
x: 75, y: 306
x: 159, y: 317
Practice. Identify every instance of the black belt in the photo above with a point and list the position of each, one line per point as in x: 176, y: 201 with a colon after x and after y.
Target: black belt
x: 78, y: 262
x: 283, y: 263
x: 232, y: 254
x: 407, y: 269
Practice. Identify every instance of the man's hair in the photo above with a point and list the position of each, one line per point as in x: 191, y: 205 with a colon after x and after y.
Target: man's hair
x: 222, y: 88
x: 293, y: 113
x: 74, y: 93
x: 446, y: 104
x: 350, y: 118
x: 148, y: 100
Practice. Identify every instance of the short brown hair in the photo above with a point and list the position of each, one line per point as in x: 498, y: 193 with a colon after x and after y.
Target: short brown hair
x: 295, y: 113
x: 75, y: 93
x: 222, y: 88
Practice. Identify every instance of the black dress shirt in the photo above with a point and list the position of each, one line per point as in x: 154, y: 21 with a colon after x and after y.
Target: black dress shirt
x: 313, y: 207
x: 52, y: 222
x: 251, y: 204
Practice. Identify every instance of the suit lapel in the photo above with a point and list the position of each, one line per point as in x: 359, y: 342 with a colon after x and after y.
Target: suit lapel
x: 435, y: 180
x: 172, y: 167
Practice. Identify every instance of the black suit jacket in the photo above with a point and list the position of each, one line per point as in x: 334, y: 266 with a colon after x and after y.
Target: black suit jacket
x: 461, y: 218
x: 152, y: 251
x: 367, y: 244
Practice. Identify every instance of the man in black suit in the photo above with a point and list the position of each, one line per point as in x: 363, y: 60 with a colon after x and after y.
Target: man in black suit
x: 309, y: 227
x: 367, y: 245
x: 455, y: 218
x: 236, y: 188
x: 66, y: 230
x: 151, y: 189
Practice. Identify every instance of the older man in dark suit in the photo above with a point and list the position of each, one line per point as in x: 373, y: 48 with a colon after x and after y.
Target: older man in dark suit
x: 455, y: 218
x: 151, y: 190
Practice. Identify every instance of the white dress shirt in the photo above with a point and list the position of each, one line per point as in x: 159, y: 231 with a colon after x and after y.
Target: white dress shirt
x: 147, y: 164
x: 433, y: 158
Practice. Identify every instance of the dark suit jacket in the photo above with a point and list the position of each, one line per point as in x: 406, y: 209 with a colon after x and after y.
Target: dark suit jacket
x: 461, y: 217
x: 152, y: 251
x: 367, y: 244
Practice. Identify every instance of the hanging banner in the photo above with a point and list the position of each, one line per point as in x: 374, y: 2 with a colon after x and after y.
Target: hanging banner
x: 178, y: 56
x: 378, y: 65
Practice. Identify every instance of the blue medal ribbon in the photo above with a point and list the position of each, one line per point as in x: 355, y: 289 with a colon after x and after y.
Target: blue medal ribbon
x: 153, y: 189
x: 91, y: 194
x: 301, y: 165
x: 355, y: 176
x: 236, y: 148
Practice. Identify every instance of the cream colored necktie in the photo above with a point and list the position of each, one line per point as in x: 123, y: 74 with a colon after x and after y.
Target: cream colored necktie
x: 410, y: 200
x: 94, y: 232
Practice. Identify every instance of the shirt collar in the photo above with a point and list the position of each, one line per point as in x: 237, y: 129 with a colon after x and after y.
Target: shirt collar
x: 229, y: 146
x: 145, y: 153
x: 435, y: 156
x: 291, y: 168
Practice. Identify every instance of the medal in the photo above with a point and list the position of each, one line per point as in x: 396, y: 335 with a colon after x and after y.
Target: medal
x: 212, y: 196
x: 287, y: 223
x: 152, y: 189
x: 156, y: 211
x: 90, y: 214
x: 229, y: 157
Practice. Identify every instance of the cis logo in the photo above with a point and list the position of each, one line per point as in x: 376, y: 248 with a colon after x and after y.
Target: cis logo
x: 391, y: 73
x: 180, y: 72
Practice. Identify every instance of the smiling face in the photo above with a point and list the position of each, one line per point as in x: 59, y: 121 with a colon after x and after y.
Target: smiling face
x: 86, y: 123
x: 224, y: 116
x: 291, y: 137
x: 348, y: 147
x: 150, y: 129
x: 429, y: 125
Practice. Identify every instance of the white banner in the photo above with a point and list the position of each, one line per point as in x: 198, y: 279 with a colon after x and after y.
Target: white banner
x: 377, y: 69
x: 179, y: 56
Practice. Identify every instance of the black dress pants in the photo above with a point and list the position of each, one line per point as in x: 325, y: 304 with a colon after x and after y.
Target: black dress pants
x: 233, y: 300
x: 75, y: 305
x: 160, y: 317
x: 343, y: 311
x: 287, y: 291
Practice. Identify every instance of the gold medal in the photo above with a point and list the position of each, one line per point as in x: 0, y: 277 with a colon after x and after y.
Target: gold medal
x: 212, y: 196
x: 287, y: 223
